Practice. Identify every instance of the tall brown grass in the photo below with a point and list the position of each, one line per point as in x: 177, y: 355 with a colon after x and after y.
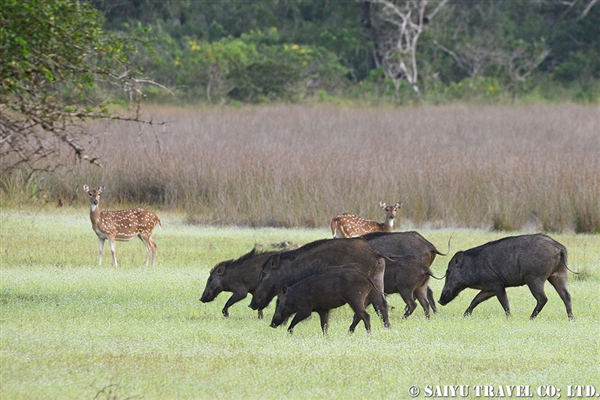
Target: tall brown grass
x: 484, y: 167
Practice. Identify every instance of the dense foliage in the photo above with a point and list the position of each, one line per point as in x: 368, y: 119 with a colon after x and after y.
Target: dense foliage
x: 485, y: 49
x: 54, y: 56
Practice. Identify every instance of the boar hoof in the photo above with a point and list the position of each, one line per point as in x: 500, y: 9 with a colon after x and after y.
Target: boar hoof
x: 225, y: 313
x: 467, y: 314
x: 260, y: 314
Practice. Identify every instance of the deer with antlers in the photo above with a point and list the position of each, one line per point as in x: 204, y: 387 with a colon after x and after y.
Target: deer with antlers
x: 123, y: 225
x: 349, y: 225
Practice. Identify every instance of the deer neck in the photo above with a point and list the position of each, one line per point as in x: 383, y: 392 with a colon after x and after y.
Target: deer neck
x: 388, y: 225
x: 95, y: 214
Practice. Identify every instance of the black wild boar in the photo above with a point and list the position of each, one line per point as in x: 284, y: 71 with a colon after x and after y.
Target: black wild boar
x: 287, y: 268
x: 512, y: 261
x: 409, y: 277
x: 331, y: 288
x: 392, y: 244
x: 400, y: 244
x: 238, y: 276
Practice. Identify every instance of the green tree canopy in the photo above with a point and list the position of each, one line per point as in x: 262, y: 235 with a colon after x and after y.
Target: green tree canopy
x: 54, y: 54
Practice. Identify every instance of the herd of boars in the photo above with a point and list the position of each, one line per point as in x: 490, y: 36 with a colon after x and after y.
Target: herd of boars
x: 329, y: 273
x: 362, y: 263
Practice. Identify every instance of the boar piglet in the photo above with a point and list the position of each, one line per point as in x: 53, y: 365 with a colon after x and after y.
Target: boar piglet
x: 239, y: 276
x: 332, y: 288
x: 512, y: 261
x: 408, y: 276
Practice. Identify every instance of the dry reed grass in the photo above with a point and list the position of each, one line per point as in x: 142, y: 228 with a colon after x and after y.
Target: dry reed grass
x: 483, y: 167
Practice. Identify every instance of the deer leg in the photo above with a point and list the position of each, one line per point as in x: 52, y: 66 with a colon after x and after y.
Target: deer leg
x: 101, y: 249
x: 154, y: 247
x: 150, y: 248
x: 146, y: 242
x: 113, y: 251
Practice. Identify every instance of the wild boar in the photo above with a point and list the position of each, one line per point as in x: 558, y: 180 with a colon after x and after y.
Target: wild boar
x: 400, y: 244
x: 512, y: 261
x: 287, y: 268
x: 331, y: 288
x: 239, y: 276
x: 403, y: 244
x: 409, y: 277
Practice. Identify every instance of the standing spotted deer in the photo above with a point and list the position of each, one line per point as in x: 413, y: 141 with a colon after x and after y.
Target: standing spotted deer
x: 349, y: 225
x: 121, y: 225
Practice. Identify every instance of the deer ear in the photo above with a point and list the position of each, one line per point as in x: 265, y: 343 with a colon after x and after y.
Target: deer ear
x: 101, y: 189
x: 86, y: 188
x: 398, y: 205
x: 382, y: 204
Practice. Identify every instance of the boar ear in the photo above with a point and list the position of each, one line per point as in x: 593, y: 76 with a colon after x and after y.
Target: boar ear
x: 220, y: 269
x: 273, y: 261
x: 284, y: 289
x: 457, y: 259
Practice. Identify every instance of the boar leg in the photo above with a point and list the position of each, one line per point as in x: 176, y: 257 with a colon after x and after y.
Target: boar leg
x: 422, y: 294
x: 500, y: 292
x: 324, y: 315
x: 481, y: 296
x: 300, y: 315
x: 407, y: 296
x: 355, y: 321
x: 560, y: 284
x: 232, y: 300
x: 537, y: 290
x: 380, y: 305
x: 360, y: 314
x: 431, y: 300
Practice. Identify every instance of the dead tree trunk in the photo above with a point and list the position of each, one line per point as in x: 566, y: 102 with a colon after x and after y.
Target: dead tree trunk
x: 396, y: 26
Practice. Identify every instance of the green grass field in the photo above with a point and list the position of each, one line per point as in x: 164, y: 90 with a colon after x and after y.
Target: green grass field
x: 71, y: 329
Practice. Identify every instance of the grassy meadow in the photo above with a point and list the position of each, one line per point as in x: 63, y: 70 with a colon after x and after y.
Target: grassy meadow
x: 225, y: 179
x: 71, y: 329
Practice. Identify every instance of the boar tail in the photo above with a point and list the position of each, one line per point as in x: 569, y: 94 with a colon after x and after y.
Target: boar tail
x: 563, y: 261
x: 373, y: 284
x: 435, y: 277
x: 447, y: 251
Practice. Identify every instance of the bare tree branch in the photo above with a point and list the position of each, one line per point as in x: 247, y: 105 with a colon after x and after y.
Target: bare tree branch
x: 587, y: 9
x: 397, y: 26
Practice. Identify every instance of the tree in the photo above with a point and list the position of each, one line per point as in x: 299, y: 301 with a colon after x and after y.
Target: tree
x: 54, y: 56
x: 397, y: 26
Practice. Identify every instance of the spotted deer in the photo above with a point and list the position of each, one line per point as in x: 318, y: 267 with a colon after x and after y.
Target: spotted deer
x: 121, y: 225
x: 349, y: 225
